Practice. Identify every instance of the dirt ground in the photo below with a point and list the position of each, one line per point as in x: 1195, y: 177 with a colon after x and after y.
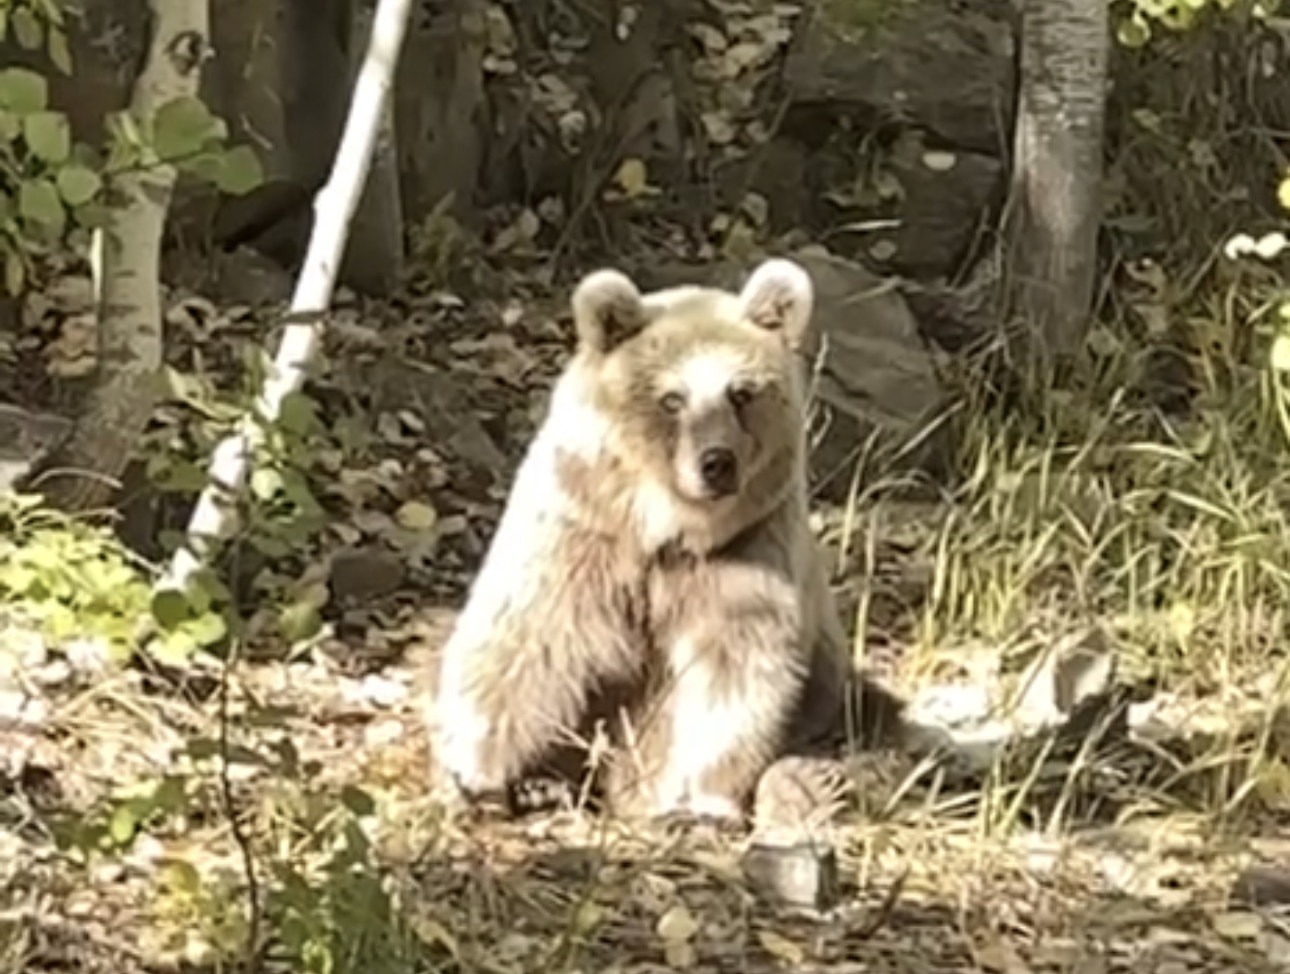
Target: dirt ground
x: 119, y: 852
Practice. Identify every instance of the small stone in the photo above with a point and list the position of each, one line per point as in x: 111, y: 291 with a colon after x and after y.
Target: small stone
x: 88, y: 655
x: 800, y: 876
x: 365, y: 573
x: 1263, y: 885
x: 18, y: 709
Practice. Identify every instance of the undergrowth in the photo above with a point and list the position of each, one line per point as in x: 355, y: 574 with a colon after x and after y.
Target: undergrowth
x: 1149, y: 496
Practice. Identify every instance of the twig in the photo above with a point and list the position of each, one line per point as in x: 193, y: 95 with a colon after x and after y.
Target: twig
x: 878, y: 919
x: 230, y: 811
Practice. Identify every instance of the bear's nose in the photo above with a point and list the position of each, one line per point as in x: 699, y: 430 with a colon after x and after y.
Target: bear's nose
x: 718, y: 468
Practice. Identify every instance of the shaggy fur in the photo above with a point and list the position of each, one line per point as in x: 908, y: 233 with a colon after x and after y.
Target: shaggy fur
x: 654, y: 568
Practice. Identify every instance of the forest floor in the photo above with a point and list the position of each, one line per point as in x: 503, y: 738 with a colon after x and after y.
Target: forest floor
x: 118, y: 852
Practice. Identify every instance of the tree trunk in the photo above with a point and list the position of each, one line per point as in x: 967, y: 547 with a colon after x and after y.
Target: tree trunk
x: 373, y: 256
x: 82, y: 474
x: 1054, y: 205
x: 215, y: 516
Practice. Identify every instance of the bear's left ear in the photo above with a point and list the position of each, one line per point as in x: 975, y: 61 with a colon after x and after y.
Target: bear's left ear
x: 607, y: 310
x: 779, y: 297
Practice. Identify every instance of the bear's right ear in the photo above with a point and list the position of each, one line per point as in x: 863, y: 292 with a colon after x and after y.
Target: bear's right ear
x: 607, y: 310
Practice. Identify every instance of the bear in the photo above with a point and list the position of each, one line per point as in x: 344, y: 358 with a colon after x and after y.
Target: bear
x: 654, y: 570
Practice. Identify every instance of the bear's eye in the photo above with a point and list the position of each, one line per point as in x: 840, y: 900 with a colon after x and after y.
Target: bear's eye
x: 739, y: 396
x: 671, y: 402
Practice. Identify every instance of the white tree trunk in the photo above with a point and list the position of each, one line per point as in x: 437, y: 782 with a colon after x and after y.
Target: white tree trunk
x: 126, y: 255
x: 215, y: 517
x: 1055, y: 200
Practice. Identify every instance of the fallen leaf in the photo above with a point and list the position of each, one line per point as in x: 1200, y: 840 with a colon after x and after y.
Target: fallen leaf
x: 940, y: 161
x: 632, y: 178
x: 781, y: 948
x: 677, y: 925
x: 416, y: 516
x: 679, y: 955
x: 1281, y: 353
x: 1238, y: 925
x: 1000, y: 956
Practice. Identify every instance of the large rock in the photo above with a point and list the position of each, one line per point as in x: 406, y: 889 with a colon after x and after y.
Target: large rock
x: 944, y: 196
x: 876, y: 377
x: 901, y: 111
x: 946, y: 67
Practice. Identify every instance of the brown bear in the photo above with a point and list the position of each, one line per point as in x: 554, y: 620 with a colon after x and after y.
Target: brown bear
x: 654, y: 568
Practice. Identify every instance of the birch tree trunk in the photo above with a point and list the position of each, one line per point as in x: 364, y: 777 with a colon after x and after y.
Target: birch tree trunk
x: 82, y: 474
x: 1055, y: 199
x: 215, y: 517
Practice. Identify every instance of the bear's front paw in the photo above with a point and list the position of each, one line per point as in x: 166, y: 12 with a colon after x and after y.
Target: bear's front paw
x: 459, y: 785
x: 457, y: 798
x: 462, y: 758
x: 540, y: 794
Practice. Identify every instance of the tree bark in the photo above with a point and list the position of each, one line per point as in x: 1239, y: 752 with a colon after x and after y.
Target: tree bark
x: 1055, y: 198
x: 373, y: 259
x: 82, y: 474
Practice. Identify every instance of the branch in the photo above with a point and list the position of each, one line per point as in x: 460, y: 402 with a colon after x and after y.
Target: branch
x: 215, y: 517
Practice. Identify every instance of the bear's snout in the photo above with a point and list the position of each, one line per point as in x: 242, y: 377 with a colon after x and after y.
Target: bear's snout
x: 719, y: 471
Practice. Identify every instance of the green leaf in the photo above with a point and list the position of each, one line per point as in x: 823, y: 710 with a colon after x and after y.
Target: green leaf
x: 23, y: 91
x: 10, y: 125
x: 206, y: 166
x: 173, y: 649
x: 208, y: 588
x: 207, y: 629
x: 78, y: 184
x: 125, y: 820
x: 1280, y: 357
x: 48, y: 135
x: 239, y: 171
x: 27, y: 29
x: 38, y: 202
x: 15, y: 272
x: 170, y: 794
x: 169, y: 608
x: 1133, y: 32
x: 298, y: 413
x: 202, y: 748
x: 59, y: 53
x: 182, y: 876
x: 299, y: 621
x: 92, y: 215
x: 358, y: 801
x: 182, y: 127
x: 265, y: 483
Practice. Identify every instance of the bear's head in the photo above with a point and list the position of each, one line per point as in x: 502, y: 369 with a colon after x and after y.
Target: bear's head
x: 697, y: 391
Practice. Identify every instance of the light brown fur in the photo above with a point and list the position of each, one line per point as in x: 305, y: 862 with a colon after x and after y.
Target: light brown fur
x: 620, y: 587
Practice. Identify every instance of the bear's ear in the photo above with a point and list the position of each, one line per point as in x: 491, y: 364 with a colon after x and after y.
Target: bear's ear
x: 779, y: 297
x: 607, y: 310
